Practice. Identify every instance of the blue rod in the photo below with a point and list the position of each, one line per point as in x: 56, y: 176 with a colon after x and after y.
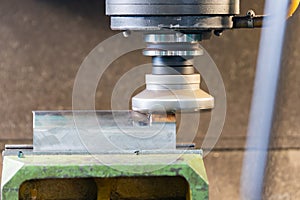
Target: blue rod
x: 263, y: 100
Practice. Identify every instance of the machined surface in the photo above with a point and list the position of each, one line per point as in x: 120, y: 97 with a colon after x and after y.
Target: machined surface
x: 101, y: 131
x: 172, y: 7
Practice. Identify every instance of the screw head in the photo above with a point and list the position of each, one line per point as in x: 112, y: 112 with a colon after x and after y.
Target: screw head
x: 250, y: 13
x: 218, y: 33
x: 20, y: 154
x: 126, y: 34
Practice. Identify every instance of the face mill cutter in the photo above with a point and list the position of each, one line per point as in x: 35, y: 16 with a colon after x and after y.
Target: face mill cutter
x: 122, y: 155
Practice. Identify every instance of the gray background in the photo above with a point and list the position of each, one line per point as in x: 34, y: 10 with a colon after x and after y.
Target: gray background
x: 43, y: 42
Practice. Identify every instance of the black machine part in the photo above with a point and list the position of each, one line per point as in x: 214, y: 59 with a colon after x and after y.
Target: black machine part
x: 180, y: 15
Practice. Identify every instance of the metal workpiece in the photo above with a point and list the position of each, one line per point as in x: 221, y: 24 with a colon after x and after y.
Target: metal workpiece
x: 172, y: 7
x: 101, y: 131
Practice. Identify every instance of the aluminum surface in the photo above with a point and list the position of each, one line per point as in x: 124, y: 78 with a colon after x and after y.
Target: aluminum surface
x: 101, y: 131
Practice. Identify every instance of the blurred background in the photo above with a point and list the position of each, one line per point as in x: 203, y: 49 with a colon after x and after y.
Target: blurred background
x: 43, y: 43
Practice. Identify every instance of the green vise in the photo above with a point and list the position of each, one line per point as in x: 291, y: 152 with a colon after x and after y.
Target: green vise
x: 126, y: 177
